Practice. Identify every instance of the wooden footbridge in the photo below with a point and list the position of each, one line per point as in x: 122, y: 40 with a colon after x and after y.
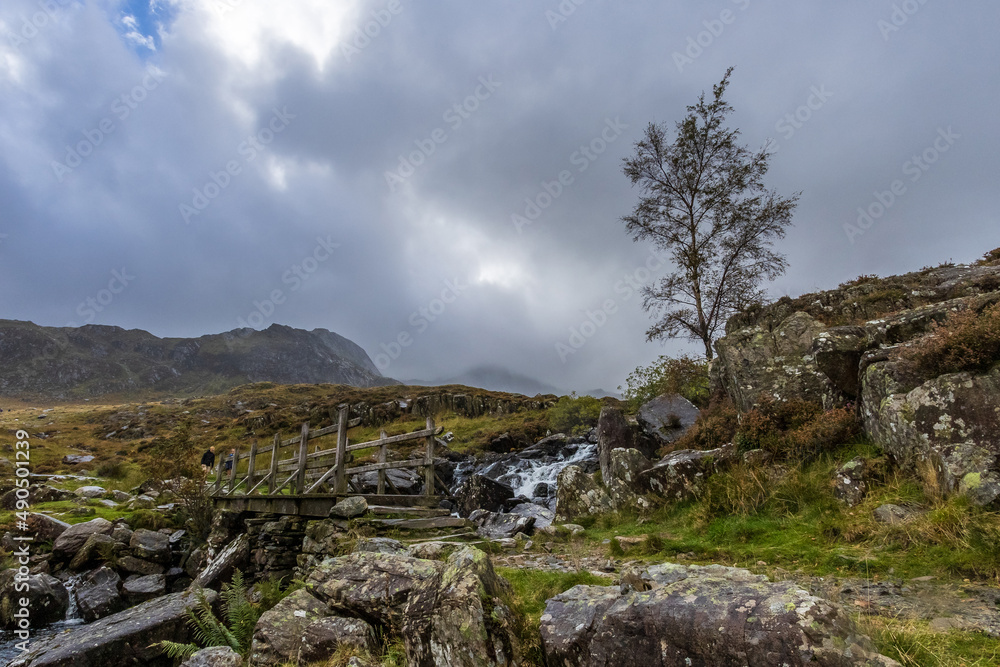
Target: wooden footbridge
x: 286, y: 478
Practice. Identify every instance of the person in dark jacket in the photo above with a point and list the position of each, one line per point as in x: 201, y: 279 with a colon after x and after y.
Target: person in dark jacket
x: 208, y: 460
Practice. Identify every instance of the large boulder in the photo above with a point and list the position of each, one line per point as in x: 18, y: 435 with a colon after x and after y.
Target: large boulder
x: 278, y: 634
x: 577, y: 494
x: 447, y: 613
x: 235, y: 555
x: 681, y: 475
x: 542, y: 515
x: 90, y: 491
x: 702, y: 616
x: 325, y: 635
x: 948, y: 422
x: 99, y: 594
x: 74, y: 537
x: 479, y: 492
x: 41, y: 493
x: 666, y: 418
x: 622, y: 478
x: 145, y: 588
x: 46, y: 595
x: 45, y: 527
x: 97, y: 547
x: 613, y: 432
x: 349, y: 508
x: 121, y: 640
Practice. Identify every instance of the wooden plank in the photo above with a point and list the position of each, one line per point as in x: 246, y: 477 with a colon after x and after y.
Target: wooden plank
x: 391, y: 465
x: 429, y: 460
x: 273, y: 475
x: 393, y: 439
x: 251, y: 463
x: 232, y: 471
x: 340, y: 476
x: 416, y: 511
x: 382, y: 454
x: 258, y: 484
x: 425, y: 524
x: 326, y: 475
x: 284, y: 484
x: 300, y: 485
x: 218, y: 475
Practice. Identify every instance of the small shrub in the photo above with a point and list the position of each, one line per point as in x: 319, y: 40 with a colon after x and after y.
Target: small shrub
x: 575, y: 415
x: 966, y: 341
x: 113, y: 469
x: 992, y: 258
x: 715, y: 426
x: 795, y: 428
x: 684, y: 375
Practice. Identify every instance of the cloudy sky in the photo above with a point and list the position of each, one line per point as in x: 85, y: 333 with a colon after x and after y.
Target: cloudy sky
x: 192, y: 166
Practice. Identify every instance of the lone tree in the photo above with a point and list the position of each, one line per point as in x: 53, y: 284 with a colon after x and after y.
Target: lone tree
x: 704, y: 202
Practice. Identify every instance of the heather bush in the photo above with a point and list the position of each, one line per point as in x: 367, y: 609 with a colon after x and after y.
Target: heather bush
x: 967, y: 341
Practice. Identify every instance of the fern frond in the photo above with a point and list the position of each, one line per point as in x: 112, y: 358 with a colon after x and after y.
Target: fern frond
x: 176, y: 650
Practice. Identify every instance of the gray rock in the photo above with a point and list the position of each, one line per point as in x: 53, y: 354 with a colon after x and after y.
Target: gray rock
x: 150, y: 545
x: 122, y: 496
x: 90, y: 491
x: 214, y: 656
x: 139, y: 566
x: 97, y: 547
x: 121, y: 533
x: 577, y: 494
x: 235, y: 555
x: 145, y: 588
x: 434, y: 550
x: 74, y: 537
x: 622, y: 481
x: 76, y: 459
x: 45, y: 527
x: 349, y: 508
x: 325, y: 635
x: 681, y: 475
x: 542, y: 515
x: 47, y: 599
x: 126, y: 638
x: 667, y: 417
x: 98, y: 594
x: 892, y: 514
x: 701, y: 616
x: 278, y: 634
x: 497, y: 525
x: 613, y: 432
x: 380, y: 545
x: 481, y: 492
x: 851, y: 481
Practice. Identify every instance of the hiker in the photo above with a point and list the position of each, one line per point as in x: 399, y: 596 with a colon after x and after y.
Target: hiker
x: 208, y: 460
x: 229, y: 460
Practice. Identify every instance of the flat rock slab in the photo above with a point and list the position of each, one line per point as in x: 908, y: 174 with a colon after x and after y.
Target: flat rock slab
x: 120, y: 640
x: 425, y: 524
x: 667, y: 417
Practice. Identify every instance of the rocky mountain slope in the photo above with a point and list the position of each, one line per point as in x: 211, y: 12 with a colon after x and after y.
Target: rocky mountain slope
x: 65, y: 363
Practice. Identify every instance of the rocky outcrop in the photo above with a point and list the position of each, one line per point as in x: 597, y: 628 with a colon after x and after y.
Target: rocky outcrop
x: 577, y: 494
x: 613, y: 432
x: 446, y: 613
x: 682, y: 474
x: 120, y: 640
x: 278, y: 634
x: 843, y: 346
x: 695, y: 615
x: 622, y: 479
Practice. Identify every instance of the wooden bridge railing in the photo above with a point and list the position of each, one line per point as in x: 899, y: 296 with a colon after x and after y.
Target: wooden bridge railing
x: 305, y: 473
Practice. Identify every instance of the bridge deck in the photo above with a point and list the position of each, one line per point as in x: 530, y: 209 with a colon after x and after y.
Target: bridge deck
x: 315, y: 505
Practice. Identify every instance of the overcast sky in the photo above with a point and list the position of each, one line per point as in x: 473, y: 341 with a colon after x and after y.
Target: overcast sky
x: 181, y: 163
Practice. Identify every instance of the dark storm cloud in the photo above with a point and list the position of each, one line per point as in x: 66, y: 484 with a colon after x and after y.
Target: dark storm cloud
x: 335, y: 171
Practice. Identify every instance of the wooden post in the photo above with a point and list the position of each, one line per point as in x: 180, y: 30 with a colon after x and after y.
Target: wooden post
x: 382, y: 455
x: 232, y: 471
x: 272, y: 481
x: 429, y: 460
x: 218, y: 474
x: 340, y: 479
x: 251, y: 464
x: 303, y: 458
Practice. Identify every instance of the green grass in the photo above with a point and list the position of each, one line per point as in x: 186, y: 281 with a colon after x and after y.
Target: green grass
x: 913, y: 644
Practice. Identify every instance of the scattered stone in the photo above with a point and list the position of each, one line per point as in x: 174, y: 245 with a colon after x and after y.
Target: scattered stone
x: 349, y: 508
x: 892, y: 514
x: 145, y: 588
x: 214, y: 656
x: 76, y: 459
x: 325, y: 635
x: 496, y: 525
x: 542, y: 515
x: 851, y: 481
x: 139, y: 566
x: 45, y: 527
x: 97, y: 547
x: 435, y: 550
x: 150, y: 545
x: 90, y: 491
x: 122, y: 496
